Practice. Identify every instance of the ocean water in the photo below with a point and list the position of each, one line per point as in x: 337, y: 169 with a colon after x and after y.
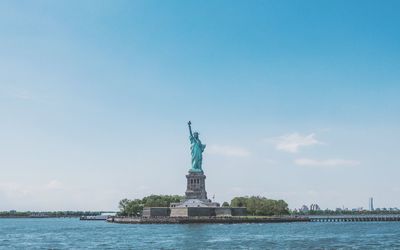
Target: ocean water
x: 75, y: 234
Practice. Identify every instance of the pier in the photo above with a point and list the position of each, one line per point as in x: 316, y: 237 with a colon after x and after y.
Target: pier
x: 251, y: 219
x: 354, y: 218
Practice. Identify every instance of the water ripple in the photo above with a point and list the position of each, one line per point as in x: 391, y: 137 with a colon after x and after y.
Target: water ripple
x: 75, y: 234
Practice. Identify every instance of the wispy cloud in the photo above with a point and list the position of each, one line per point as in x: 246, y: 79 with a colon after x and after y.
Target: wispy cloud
x: 54, y: 184
x: 293, y: 142
x: 325, y: 163
x: 13, y: 189
x: 228, y: 151
x: 16, y: 189
x: 23, y: 94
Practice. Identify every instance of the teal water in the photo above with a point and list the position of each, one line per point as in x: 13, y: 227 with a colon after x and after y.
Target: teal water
x: 75, y: 234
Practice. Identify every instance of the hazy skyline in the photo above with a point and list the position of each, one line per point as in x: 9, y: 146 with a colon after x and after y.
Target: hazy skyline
x: 296, y: 100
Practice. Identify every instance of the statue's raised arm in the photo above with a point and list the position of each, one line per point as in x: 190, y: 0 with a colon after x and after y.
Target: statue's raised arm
x: 190, y: 129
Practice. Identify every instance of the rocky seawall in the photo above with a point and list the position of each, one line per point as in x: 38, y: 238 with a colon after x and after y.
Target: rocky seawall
x: 209, y: 220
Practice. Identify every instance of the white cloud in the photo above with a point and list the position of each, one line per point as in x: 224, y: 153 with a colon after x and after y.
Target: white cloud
x: 27, y: 95
x: 12, y: 189
x: 325, y: 163
x: 23, y: 94
x: 293, y: 142
x: 270, y: 161
x: 54, y: 184
x: 228, y: 151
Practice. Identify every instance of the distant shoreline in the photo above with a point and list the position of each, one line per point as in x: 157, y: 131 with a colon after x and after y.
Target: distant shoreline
x: 35, y: 217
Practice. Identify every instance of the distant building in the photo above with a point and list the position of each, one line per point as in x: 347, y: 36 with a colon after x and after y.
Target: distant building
x: 371, y: 204
x: 314, y: 207
x: 304, y: 208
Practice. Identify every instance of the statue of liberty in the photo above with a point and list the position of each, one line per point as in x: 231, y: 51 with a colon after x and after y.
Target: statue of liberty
x: 196, y: 149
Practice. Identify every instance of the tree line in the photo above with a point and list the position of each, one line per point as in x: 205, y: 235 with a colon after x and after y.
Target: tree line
x: 135, y: 207
x: 22, y: 214
x: 256, y: 205
x: 261, y: 206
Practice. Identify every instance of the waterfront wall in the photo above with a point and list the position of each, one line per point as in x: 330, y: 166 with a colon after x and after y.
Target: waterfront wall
x: 223, y: 211
x: 251, y: 219
x: 208, y: 220
x: 179, y: 212
x: 207, y: 211
x: 156, y: 211
x: 239, y: 211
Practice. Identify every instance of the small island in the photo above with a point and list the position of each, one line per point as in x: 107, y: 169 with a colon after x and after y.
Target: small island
x: 195, y: 207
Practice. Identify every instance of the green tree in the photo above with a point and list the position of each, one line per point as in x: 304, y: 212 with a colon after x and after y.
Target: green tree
x: 160, y: 200
x: 257, y: 205
x: 238, y: 202
x: 225, y: 204
x: 135, y: 207
x: 131, y: 207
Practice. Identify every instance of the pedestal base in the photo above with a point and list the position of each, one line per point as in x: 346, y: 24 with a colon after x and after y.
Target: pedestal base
x: 196, y: 186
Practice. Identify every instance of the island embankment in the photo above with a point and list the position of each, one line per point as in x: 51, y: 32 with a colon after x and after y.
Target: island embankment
x: 207, y: 220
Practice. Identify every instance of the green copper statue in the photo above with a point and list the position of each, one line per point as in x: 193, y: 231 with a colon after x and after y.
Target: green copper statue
x: 196, y: 149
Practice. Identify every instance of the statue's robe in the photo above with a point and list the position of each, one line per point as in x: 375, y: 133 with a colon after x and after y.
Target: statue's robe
x: 196, y: 149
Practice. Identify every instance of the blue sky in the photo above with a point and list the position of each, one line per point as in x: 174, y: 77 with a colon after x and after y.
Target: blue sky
x: 297, y: 100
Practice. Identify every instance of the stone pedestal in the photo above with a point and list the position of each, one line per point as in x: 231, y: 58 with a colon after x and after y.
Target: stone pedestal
x: 195, y: 197
x: 196, y: 186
